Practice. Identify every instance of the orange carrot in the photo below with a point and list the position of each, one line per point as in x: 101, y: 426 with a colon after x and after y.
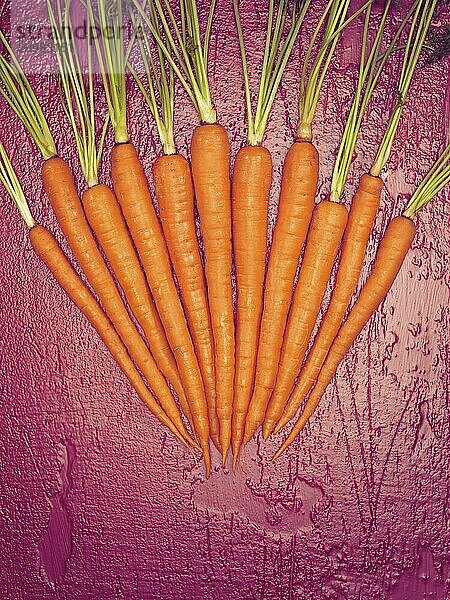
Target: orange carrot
x: 327, y: 227
x: 133, y: 195
x: 130, y: 185
x: 250, y: 197
x: 300, y: 325
x: 210, y: 156
x: 175, y: 195
x: 298, y: 190
x: 63, y: 196
x: 46, y: 247
x: 106, y: 220
x: 59, y: 182
x: 390, y: 256
x: 362, y: 214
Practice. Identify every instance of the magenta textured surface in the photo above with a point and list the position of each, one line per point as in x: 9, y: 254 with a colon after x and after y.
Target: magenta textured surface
x: 97, y: 502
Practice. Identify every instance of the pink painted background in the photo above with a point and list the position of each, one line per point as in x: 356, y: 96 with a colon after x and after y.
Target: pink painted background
x: 97, y: 502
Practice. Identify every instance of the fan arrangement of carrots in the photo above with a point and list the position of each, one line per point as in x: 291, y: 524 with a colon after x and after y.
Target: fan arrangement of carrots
x: 161, y: 300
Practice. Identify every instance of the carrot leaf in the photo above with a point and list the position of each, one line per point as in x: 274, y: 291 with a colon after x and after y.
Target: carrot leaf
x: 19, y: 95
x: 372, y: 63
x: 159, y: 89
x: 276, y: 55
x: 112, y: 59
x: 12, y: 185
x: 433, y: 182
x: 311, y: 85
x: 424, y: 10
x: 182, y: 46
x: 77, y: 91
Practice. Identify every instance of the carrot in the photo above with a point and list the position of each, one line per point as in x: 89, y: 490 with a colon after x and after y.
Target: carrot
x: 46, y: 247
x: 298, y: 190
x: 175, y: 194
x: 48, y: 250
x: 60, y: 188
x: 133, y: 195
x: 327, y: 226
x: 158, y: 91
x: 130, y: 185
x: 362, y: 215
x: 315, y: 271
x: 105, y: 219
x: 251, y: 184
x: 210, y: 156
x: 391, y: 254
x: 59, y: 183
x: 251, y: 187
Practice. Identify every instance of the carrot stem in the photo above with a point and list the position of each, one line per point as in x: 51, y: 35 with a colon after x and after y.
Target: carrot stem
x: 310, y: 92
x: 371, y: 66
x: 424, y: 10
x: 78, y: 95
x: 276, y: 54
x: 435, y: 180
x: 112, y: 62
x: 159, y: 82
x: 19, y: 95
x: 185, y: 51
x: 12, y: 185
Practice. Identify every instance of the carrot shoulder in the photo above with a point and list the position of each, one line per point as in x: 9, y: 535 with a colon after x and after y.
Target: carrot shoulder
x: 393, y: 249
x: 362, y: 214
x: 210, y: 156
x: 130, y: 185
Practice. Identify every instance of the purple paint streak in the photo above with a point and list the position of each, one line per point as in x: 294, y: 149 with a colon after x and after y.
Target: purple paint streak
x: 97, y: 502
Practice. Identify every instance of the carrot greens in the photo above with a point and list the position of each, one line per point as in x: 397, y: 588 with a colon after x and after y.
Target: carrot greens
x: 19, y: 95
x: 311, y: 85
x: 12, y: 185
x: 434, y: 181
x: 417, y: 36
x: 158, y: 89
x: 184, y: 49
x: 276, y: 54
x: 372, y: 63
x: 77, y: 91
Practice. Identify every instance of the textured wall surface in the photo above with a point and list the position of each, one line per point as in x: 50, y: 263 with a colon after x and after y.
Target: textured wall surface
x: 97, y: 502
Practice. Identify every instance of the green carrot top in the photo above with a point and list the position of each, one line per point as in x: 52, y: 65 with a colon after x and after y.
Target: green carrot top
x: 112, y: 59
x: 433, y: 182
x: 421, y: 20
x: 12, y: 185
x: 18, y: 93
x: 372, y: 63
x: 158, y: 89
x: 184, y: 48
x: 276, y: 54
x: 77, y: 91
x: 314, y: 72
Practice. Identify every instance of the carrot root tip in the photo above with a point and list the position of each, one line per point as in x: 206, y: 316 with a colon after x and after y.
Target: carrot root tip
x: 267, y: 429
x: 278, y: 453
